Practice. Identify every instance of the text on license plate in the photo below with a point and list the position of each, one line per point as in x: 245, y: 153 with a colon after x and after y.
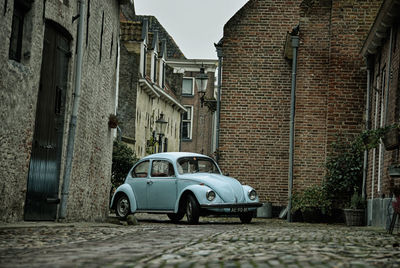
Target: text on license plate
x: 239, y: 209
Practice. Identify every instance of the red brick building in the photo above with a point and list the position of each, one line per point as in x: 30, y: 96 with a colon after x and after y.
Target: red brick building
x: 381, y: 50
x: 256, y: 88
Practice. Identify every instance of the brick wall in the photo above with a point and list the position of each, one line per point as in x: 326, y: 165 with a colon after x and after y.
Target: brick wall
x: 255, y: 109
x: 380, y: 69
x: 255, y: 98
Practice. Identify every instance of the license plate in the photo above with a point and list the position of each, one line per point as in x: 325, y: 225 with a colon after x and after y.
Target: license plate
x: 239, y: 209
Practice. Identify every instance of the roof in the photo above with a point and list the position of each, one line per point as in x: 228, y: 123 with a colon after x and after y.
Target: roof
x: 173, y: 156
x: 173, y: 50
x: 387, y: 16
x: 131, y: 31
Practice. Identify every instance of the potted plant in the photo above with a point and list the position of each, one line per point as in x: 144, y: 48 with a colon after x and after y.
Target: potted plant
x: 112, y: 121
x: 313, y: 203
x: 355, y: 214
x: 391, y: 137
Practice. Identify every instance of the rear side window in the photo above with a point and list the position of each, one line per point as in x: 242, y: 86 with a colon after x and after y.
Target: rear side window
x: 162, y: 168
x: 140, y: 171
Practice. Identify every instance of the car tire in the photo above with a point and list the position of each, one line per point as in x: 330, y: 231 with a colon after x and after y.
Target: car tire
x: 246, y: 217
x: 175, y: 217
x: 192, y: 210
x: 122, y: 208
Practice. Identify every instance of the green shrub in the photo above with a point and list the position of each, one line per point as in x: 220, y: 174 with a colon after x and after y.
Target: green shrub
x: 344, y: 167
x: 123, y: 158
x: 357, y: 201
x: 314, y: 197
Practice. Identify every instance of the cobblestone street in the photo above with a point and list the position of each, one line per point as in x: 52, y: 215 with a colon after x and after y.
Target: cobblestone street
x: 215, y: 242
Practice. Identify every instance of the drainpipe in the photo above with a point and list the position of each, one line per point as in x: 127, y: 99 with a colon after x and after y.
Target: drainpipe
x: 74, y: 114
x: 367, y: 127
x: 295, y: 46
x: 219, y: 54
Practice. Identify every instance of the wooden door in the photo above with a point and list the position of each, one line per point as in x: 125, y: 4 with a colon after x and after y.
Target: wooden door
x: 44, y: 169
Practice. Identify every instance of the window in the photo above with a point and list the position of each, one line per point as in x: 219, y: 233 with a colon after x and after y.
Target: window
x: 187, y: 86
x: 20, y: 9
x: 187, y: 119
x: 144, y: 60
x: 162, y: 168
x: 194, y: 165
x: 140, y: 171
x: 155, y: 60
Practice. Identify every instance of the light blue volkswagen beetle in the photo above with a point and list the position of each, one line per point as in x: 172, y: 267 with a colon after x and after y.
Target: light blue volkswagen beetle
x: 183, y: 183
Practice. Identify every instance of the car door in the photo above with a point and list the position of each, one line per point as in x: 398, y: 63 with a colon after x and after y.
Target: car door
x: 138, y: 180
x: 162, y: 186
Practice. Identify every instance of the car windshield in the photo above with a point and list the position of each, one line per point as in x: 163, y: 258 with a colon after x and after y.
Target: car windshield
x: 196, y: 164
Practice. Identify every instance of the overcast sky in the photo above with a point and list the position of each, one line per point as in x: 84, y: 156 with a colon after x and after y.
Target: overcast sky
x: 195, y: 25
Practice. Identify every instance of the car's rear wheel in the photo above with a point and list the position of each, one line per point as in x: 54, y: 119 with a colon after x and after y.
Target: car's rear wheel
x: 122, y: 209
x: 175, y: 217
x: 192, y: 210
x: 246, y: 217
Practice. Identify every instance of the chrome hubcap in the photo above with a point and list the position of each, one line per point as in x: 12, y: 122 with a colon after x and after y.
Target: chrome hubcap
x: 123, y: 207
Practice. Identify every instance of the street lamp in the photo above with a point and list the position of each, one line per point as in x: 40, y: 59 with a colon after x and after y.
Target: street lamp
x: 161, y: 126
x: 201, y: 83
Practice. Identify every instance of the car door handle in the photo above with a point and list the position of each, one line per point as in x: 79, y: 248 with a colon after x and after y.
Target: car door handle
x: 150, y: 182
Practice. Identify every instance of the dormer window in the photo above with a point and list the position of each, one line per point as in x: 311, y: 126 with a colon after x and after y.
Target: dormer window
x: 144, y: 60
x: 161, y: 82
x: 154, y: 64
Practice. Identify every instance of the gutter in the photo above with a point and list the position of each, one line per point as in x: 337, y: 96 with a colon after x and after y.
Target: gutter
x: 72, y: 128
x: 220, y: 56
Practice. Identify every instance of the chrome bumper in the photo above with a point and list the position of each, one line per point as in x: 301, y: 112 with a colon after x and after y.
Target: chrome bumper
x: 232, y: 205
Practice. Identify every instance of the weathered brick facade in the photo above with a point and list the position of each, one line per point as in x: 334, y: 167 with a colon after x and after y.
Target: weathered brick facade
x: 90, y: 184
x: 148, y: 86
x: 382, y: 54
x: 256, y: 85
x: 200, y: 138
x: 255, y: 97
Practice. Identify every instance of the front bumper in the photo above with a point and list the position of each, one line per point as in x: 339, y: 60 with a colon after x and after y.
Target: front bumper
x: 232, y: 205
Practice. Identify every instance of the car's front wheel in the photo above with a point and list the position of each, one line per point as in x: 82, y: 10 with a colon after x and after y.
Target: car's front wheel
x: 122, y: 208
x: 192, y: 210
x: 246, y: 217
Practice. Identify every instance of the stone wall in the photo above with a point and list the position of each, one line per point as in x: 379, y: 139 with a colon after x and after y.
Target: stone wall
x: 91, y: 167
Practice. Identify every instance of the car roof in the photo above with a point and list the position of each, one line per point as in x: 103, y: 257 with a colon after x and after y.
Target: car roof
x: 173, y: 155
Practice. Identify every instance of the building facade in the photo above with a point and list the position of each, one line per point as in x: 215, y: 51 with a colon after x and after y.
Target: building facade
x: 382, y: 54
x: 149, y: 90
x: 198, y: 122
x: 43, y: 176
x: 255, y: 103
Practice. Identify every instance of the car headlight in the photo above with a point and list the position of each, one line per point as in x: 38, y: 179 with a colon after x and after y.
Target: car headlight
x: 210, y: 195
x: 252, y: 194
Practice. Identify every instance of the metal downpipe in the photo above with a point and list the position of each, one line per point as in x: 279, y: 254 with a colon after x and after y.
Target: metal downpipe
x: 295, y: 45
x: 72, y: 128
x: 219, y: 54
x: 367, y: 127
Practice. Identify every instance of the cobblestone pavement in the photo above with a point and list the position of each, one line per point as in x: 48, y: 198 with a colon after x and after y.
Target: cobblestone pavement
x: 215, y: 242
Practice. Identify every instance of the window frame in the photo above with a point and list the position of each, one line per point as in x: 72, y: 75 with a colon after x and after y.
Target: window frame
x: 133, y: 173
x: 167, y: 175
x: 17, y: 35
x: 190, y: 121
x: 192, y: 90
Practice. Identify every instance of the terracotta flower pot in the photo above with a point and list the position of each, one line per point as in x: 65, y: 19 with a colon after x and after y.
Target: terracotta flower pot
x: 354, y: 217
